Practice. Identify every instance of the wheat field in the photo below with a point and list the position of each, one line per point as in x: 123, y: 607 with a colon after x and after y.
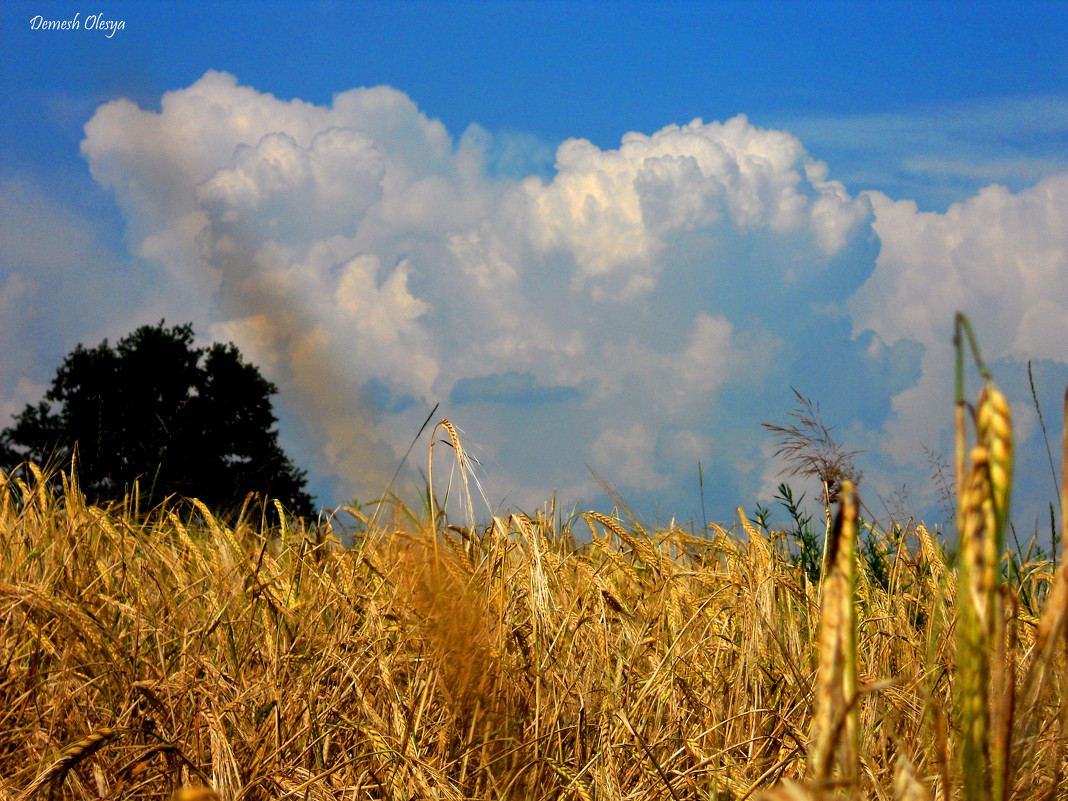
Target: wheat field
x: 176, y: 654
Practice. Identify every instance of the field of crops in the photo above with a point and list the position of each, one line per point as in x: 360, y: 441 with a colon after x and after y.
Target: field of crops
x: 176, y: 654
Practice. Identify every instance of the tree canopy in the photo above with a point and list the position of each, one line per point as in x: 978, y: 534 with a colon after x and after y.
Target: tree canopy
x: 196, y: 422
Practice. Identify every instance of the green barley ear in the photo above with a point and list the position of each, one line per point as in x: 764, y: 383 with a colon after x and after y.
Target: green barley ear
x: 835, y: 727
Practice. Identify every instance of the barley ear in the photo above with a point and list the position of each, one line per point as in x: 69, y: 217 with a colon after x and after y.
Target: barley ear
x: 55, y: 773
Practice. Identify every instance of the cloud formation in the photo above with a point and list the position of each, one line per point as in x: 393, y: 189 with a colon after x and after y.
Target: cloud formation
x: 1001, y: 258
x: 634, y: 310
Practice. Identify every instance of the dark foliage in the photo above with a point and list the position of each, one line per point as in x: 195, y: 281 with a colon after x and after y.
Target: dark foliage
x: 196, y: 422
x: 809, y: 554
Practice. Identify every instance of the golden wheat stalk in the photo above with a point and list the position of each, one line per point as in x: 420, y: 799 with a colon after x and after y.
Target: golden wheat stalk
x: 462, y: 463
x: 994, y: 429
x: 982, y: 514
x: 980, y: 631
x: 835, y: 727
x: 974, y: 626
x: 574, y: 781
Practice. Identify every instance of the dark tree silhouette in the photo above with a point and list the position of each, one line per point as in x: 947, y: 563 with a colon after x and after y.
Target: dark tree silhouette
x: 192, y: 421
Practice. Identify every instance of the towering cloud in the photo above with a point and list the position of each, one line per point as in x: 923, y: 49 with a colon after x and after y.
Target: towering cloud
x: 999, y: 257
x: 639, y: 310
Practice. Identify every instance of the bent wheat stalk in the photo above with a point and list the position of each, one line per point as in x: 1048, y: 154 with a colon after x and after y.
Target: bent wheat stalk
x: 55, y: 773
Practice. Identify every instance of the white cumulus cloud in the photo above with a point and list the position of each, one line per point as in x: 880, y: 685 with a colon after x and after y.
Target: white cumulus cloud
x: 628, y: 311
x: 613, y: 211
x: 999, y: 257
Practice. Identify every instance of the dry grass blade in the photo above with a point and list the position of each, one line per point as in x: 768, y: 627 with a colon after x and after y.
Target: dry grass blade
x: 1052, y: 630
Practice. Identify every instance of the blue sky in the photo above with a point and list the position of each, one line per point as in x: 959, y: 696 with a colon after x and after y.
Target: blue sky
x: 607, y: 236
